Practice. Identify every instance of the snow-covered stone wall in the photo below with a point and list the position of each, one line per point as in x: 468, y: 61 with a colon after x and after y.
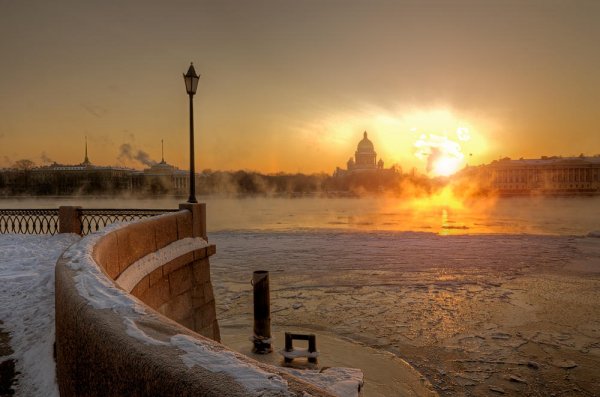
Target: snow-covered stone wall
x: 164, y: 264
x: 127, y: 302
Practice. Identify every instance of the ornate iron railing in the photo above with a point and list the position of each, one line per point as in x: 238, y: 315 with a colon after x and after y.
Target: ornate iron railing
x: 29, y: 221
x: 46, y: 221
x: 93, y: 219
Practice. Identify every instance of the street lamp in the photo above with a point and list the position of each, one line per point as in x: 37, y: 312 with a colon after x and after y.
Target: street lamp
x: 191, y: 83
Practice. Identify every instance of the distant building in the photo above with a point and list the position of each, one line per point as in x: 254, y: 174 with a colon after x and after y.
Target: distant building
x: 547, y: 175
x: 365, y: 160
x: 87, y: 178
x: 60, y: 179
x: 166, y: 177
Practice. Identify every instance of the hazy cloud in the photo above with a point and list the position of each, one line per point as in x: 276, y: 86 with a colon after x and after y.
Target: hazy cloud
x: 128, y: 153
x: 95, y: 110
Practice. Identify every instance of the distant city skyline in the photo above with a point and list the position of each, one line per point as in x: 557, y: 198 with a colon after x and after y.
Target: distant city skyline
x: 291, y: 86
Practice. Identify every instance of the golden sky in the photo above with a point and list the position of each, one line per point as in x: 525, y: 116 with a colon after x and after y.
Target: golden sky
x: 291, y: 85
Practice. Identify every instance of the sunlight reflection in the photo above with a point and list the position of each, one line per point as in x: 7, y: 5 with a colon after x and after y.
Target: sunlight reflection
x: 444, y: 230
x: 443, y: 211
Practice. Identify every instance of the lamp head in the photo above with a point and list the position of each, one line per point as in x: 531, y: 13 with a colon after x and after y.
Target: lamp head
x: 191, y: 80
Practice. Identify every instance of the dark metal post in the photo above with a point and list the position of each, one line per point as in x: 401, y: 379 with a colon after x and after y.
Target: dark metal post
x: 192, y: 198
x: 262, y: 313
x: 69, y: 220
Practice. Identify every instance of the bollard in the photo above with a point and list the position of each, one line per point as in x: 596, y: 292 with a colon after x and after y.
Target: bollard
x: 262, y: 313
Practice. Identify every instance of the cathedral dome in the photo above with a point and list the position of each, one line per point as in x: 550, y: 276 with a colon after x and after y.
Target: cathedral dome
x: 365, y: 145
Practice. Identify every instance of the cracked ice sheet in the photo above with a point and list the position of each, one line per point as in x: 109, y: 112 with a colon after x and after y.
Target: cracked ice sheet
x: 477, y: 307
x: 27, y: 307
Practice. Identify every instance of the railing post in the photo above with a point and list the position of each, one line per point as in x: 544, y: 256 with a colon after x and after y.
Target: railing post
x: 69, y: 220
x: 198, y: 211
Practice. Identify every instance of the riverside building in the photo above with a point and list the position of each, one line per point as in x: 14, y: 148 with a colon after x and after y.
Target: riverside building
x: 166, y: 177
x: 546, y: 175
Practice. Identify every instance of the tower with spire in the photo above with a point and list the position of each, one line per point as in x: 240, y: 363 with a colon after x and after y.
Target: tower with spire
x: 164, y: 176
x: 86, y: 160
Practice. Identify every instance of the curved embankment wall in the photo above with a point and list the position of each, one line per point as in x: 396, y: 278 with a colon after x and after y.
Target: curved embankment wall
x: 128, y: 300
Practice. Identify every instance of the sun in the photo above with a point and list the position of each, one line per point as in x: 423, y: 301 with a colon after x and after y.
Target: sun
x: 446, y: 165
x: 442, y: 154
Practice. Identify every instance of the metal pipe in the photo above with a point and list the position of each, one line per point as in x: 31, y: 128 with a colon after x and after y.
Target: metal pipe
x: 262, y: 313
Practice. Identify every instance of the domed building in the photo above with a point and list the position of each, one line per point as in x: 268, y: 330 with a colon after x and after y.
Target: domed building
x: 365, y: 159
x: 365, y: 155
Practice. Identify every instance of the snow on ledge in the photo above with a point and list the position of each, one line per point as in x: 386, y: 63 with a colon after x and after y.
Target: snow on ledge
x: 146, y: 265
x: 91, y: 282
x: 341, y: 381
x: 253, y: 378
x: 103, y: 293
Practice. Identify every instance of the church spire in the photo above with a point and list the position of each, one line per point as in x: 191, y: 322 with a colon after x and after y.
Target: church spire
x: 86, y: 160
x: 162, y: 148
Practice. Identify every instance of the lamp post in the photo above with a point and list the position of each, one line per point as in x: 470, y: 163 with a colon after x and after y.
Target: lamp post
x: 191, y: 84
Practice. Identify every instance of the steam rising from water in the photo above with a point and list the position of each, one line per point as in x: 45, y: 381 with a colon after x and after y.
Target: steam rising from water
x: 435, y: 154
x: 45, y: 159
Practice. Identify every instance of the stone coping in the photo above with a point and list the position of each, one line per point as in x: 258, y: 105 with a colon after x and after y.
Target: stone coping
x: 110, y: 343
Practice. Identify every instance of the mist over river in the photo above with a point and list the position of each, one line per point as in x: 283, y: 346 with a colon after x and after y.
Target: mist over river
x: 439, y: 215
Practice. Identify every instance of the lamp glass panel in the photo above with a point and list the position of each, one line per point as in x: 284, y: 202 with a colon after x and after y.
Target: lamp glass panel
x: 188, y: 84
x: 194, y: 84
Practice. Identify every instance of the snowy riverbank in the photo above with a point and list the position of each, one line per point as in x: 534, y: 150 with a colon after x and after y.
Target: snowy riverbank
x: 27, y: 308
x: 27, y: 322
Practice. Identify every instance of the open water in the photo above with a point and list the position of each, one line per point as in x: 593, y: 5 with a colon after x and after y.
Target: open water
x: 439, y: 215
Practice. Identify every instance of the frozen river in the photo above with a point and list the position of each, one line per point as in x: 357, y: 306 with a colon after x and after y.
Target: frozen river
x: 495, y: 296
x: 477, y: 314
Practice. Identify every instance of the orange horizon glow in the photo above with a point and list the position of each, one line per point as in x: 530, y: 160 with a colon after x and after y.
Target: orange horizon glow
x: 434, y: 141
x: 290, y: 86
